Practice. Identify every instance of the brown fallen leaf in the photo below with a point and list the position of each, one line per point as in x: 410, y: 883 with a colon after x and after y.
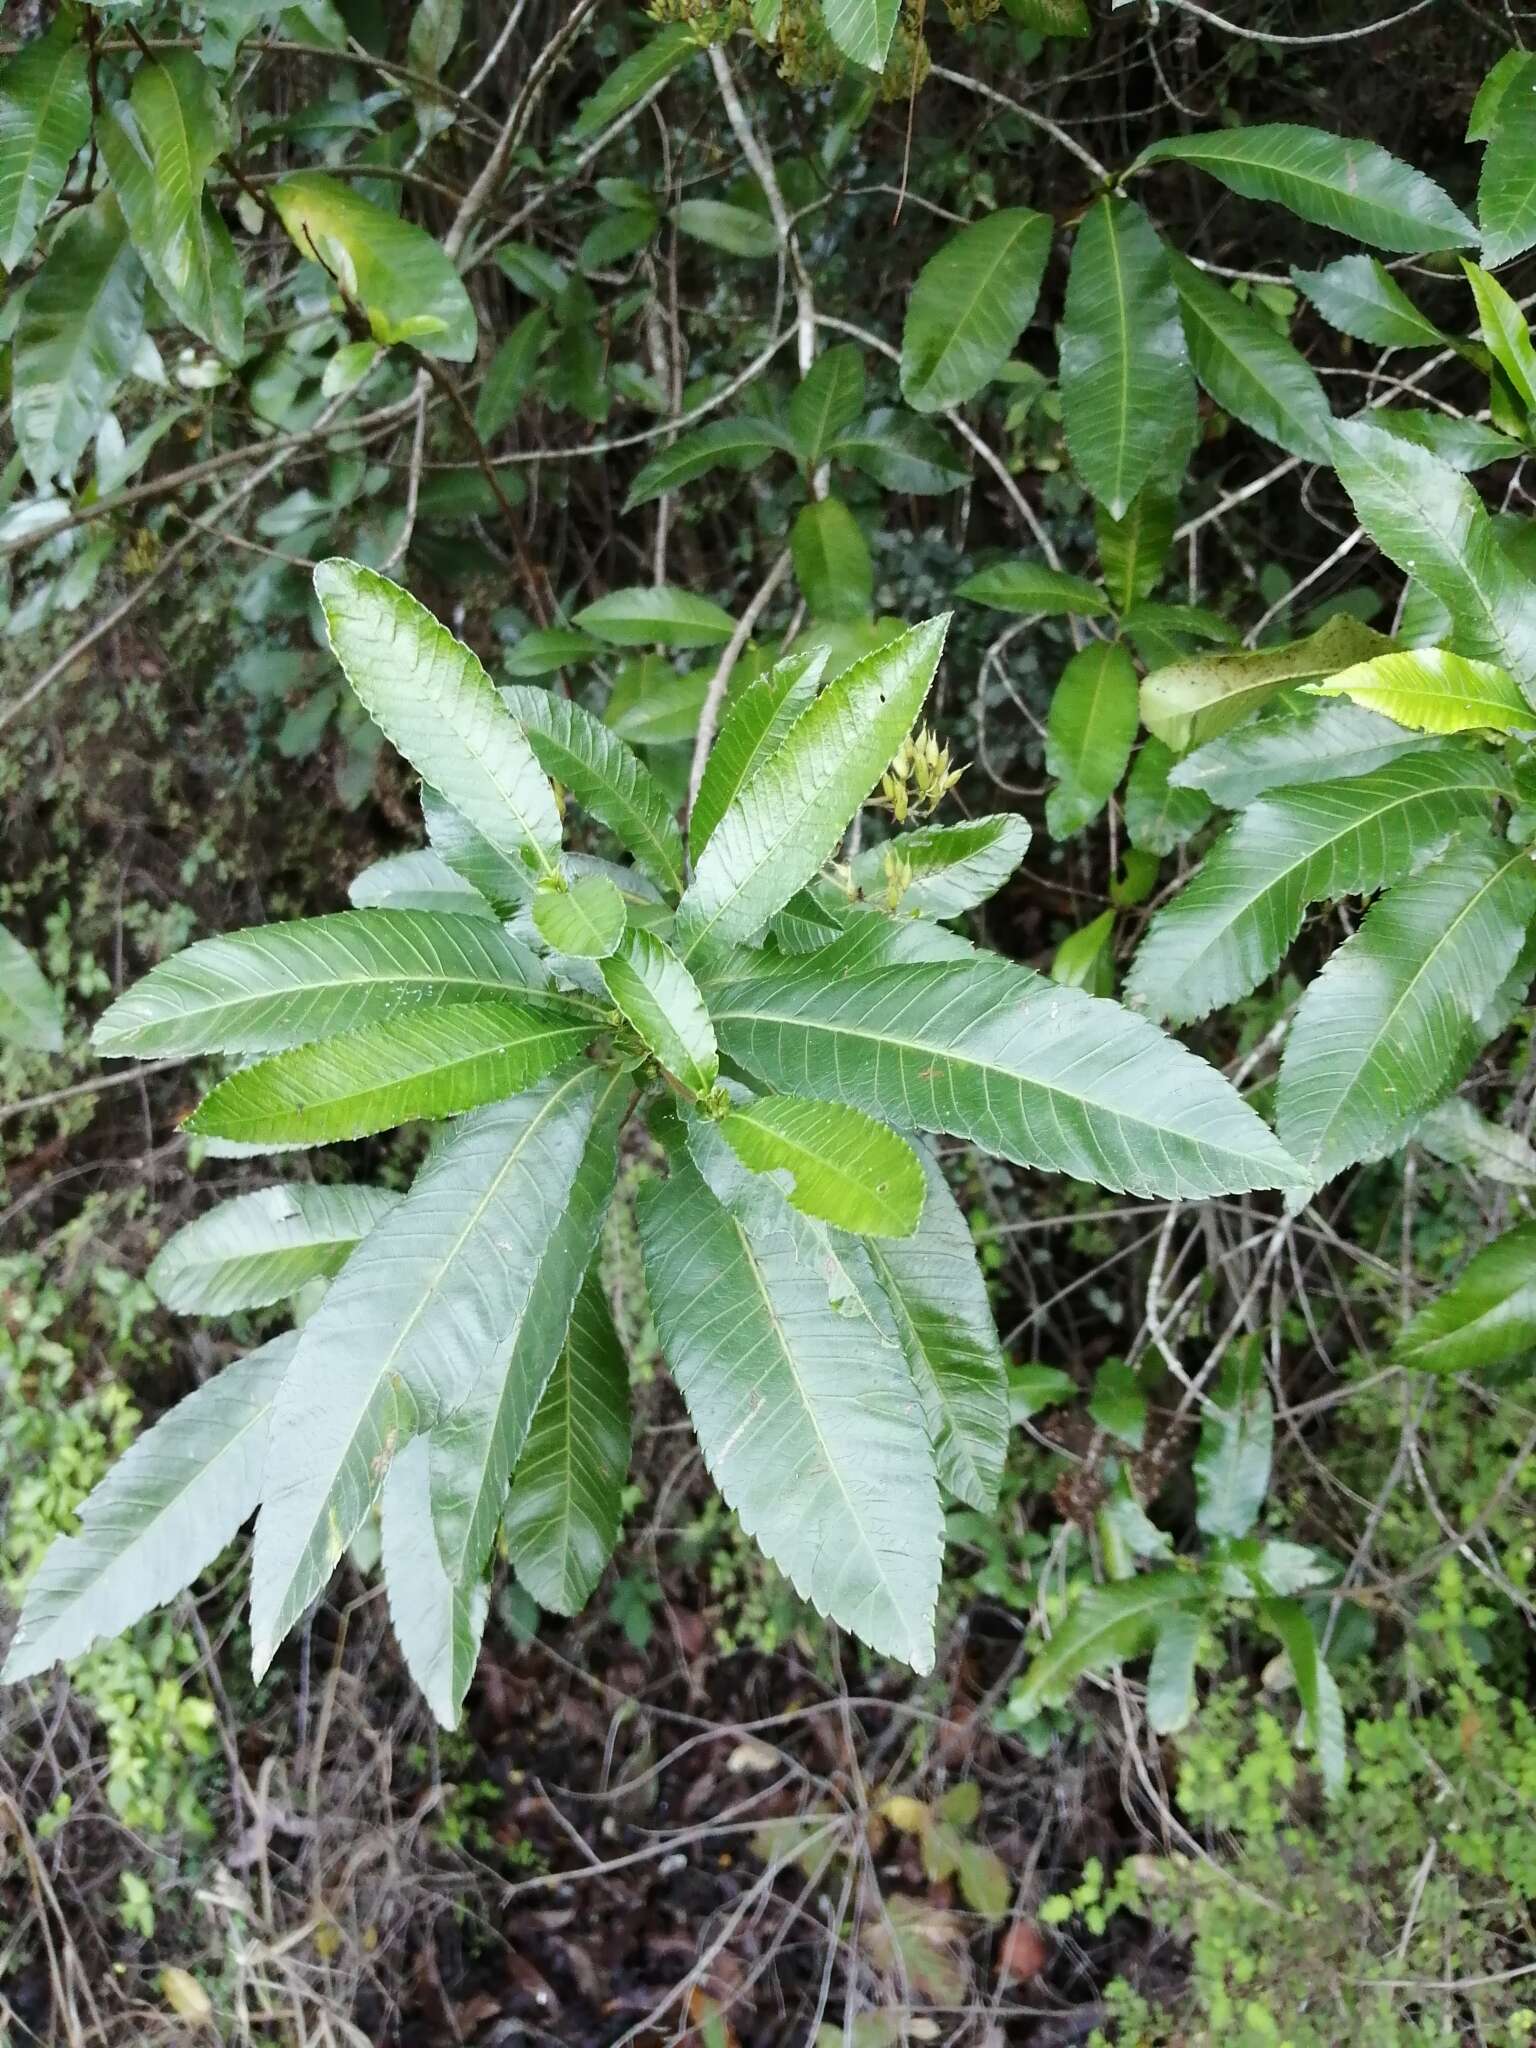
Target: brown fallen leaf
x: 1022, y: 1953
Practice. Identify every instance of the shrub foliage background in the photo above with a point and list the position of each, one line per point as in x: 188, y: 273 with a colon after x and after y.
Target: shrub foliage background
x: 885, y: 618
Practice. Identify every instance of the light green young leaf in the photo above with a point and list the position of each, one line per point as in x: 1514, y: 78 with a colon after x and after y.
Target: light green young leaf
x: 661, y: 1001
x: 1090, y: 730
x: 1104, y: 1627
x: 80, y: 326
x: 1237, y: 1435
x: 45, y: 117
x: 946, y: 869
x: 1430, y: 690
x: 1359, y: 296
x: 1171, y: 1677
x: 1127, y: 396
x: 846, y: 1168
x: 438, y: 1623
x: 1503, y: 324
x: 1336, y: 181
x: 585, y: 921
x: 604, y: 776
x: 786, y: 820
x: 972, y: 301
x: 1315, y: 1688
x: 1392, y: 1020
x: 562, y: 1520
x: 832, y: 561
x: 431, y: 1064
x: 281, y: 985
x: 263, y: 1247
x: 1133, y: 550
x: 437, y: 1292
x: 163, y: 1513
x: 752, y: 731
x: 1033, y: 587
x: 986, y: 1050
x: 1085, y: 958
x: 1249, y: 368
x: 739, y: 444
x: 1487, y: 1316
x: 477, y: 1441
x: 1191, y: 701
x: 803, y: 1409
x: 736, y: 230
x: 656, y: 616
x: 31, y: 1014
x: 404, y: 282
x: 1307, y: 742
x: 628, y: 83
x: 862, y: 29
x: 1230, y: 927
x: 433, y: 700
x: 1431, y: 522
x: 939, y: 1299
x: 1161, y: 815
x: 830, y: 397
x: 512, y: 371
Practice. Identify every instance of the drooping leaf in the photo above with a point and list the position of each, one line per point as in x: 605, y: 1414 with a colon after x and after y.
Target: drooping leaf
x: 283, y: 985
x: 661, y: 1001
x: 942, y: 870
x: 752, y: 731
x: 786, y: 820
x: 656, y: 616
x: 81, y: 323
x: 162, y: 1514
x: 1359, y: 296
x: 1133, y: 549
x: 830, y: 397
x: 1316, y: 1687
x: 31, y: 1014
x: 1127, y: 396
x: 628, y: 83
x: 901, y: 452
x: 403, y: 281
x: 1090, y: 729
x: 562, y: 1519
x: 1237, y: 1432
x: 939, y: 1299
x: 45, y: 117
x: 436, y: 1293
x: 1305, y: 742
x: 986, y: 1050
x: 1171, y: 1675
x: 1457, y: 1133
x: 1249, y: 368
x: 263, y: 1247
x: 1102, y: 1628
x: 1031, y: 587
x: 803, y: 1407
x: 972, y: 301
x: 845, y: 1167
x: 512, y: 370
x: 1161, y: 815
x: 437, y: 1622
x: 739, y: 444
x: 1487, y: 1316
x: 1391, y: 1022
x: 434, y: 1063
x: 477, y: 1442
x: 434, y: 701
x: 1229, y: 928
x: 1430, y: 690
x: 1431, y: 522
x: 585, y: 921
x: 1336, y: 181
x: 832, y: 561
x: 1193, y: 700
x: 862, y: 29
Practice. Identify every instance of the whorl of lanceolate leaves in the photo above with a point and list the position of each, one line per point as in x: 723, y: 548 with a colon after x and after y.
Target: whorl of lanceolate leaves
x: 811, y: 1280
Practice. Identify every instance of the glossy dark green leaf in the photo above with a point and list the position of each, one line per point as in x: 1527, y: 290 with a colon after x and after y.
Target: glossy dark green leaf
x: 1127, y: 396
x: 512, y: 370
x: 1133, y: 549
x: 972, y: 301
x: 45, y: 117
x: 1249, y: 368
x: 1487, y: 1316
x: 628, y: 83
x: 80, y: 325
x: 830, y: 397
x: 832, y: 561
x: 1090, y: 730
x: 1360, y: 296
x: 1033, y: 587
x: 1506, y: 186
x: 656, y: 616
x: 737, y: 444
x: 902, y: 453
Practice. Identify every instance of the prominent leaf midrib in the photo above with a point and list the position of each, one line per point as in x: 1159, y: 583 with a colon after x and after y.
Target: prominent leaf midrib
x: 914, y: 1346
x: 1123, y: 322
x: 40, y: 125
x: 1311, y: 180
x: 1425, y: 967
